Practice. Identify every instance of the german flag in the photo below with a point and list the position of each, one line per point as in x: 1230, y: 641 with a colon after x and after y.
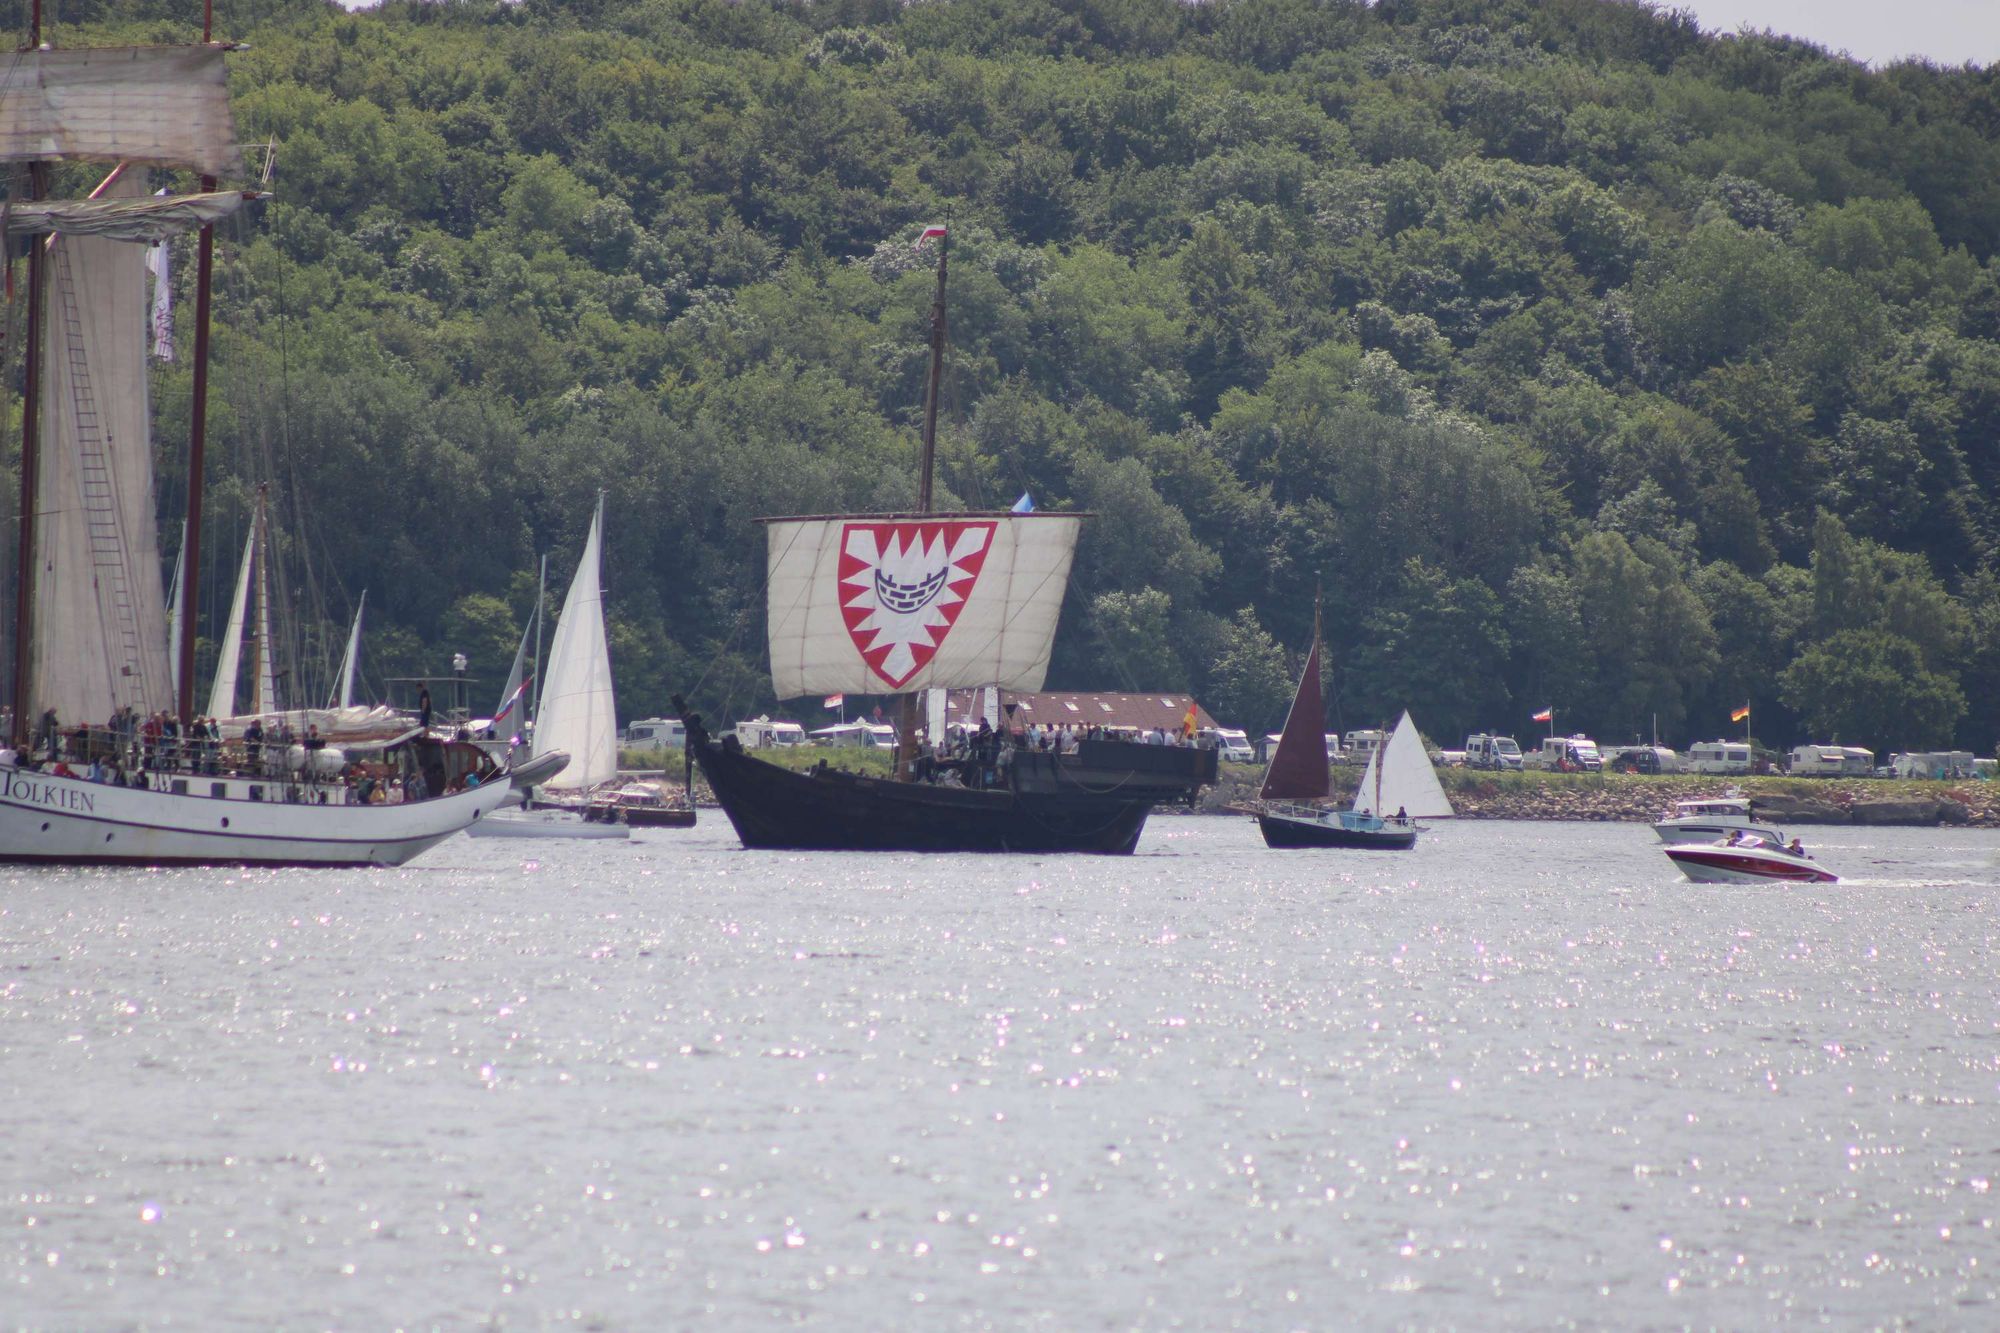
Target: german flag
x: 1740, y: 713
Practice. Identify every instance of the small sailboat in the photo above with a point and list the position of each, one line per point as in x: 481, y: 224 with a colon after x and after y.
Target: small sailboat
x: 1399, y: 777
x: 578, y: 718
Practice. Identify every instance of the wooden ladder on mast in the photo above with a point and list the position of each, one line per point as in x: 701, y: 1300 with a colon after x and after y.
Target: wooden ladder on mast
x: 109, y: 566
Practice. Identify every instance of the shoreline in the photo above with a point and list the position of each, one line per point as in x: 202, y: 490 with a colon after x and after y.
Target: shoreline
x: 1622, y: 798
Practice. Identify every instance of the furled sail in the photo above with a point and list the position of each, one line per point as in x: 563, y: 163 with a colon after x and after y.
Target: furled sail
x: 1408, y: 782
x: 1298, y: 770
x: 157, y: 106
x: 578, y: 712
x: 907, y: 602
x: 100, y: 614
x: 146, y: 220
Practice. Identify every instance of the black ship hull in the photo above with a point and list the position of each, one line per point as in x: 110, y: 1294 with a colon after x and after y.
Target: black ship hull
x: 1292, y: 833
x: 1094, y: 801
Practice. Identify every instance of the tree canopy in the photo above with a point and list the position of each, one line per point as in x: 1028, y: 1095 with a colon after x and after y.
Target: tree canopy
x: 1573, y: 356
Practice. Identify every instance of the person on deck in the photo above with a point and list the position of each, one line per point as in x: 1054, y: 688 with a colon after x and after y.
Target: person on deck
x: 424, y: 706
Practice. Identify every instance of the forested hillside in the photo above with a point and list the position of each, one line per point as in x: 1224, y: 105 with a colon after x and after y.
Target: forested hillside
x: 1582, y: 360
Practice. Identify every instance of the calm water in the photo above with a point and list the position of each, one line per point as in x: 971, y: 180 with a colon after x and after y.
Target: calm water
x: 1524, y: 1076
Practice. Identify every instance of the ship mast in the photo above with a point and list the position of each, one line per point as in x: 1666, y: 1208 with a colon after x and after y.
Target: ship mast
x: 906, y: 719
x: 24, y: 573
x: 197, y: 428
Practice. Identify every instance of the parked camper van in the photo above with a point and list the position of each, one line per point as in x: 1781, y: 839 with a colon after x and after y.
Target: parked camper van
x: 1483, y: 751
x: 868, y: 735
x: 1719, y: 756
x: 1360, y: 745
x: 764, y: 734
x: 1232, y: 746
x: 1566, y: 754
x: 1830, y: 761
x: 655, y: 733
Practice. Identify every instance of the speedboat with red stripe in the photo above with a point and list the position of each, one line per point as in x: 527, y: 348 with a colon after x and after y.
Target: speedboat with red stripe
x: 1739, y: 860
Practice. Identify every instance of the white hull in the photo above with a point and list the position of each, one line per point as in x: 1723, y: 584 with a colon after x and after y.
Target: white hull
x: 546, y: 824
x: 73, y: 821
x: 1722, y: 863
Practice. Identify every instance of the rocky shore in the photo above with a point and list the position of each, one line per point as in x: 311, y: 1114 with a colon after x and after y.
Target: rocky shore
x: 1784, y: 801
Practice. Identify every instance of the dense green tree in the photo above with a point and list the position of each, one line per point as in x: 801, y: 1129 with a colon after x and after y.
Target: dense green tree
x: 1870, y: 687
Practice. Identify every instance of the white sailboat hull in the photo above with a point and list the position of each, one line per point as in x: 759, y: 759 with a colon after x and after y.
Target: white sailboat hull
x: 73, y: 821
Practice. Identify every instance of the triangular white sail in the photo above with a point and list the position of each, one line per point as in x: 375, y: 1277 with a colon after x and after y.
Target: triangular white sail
x: 267, y: 667
x: 176, y: 604
x: 344, y: 693
x: 509, y: 711
x: 1408, y: 782
x: 222, y: 692
x: 871, y: 604
x: 578, y: 712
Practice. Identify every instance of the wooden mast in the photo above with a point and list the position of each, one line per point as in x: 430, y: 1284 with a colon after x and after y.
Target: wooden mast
x: 197, y: 432
x: 24, y: 574
x: 906, y: 720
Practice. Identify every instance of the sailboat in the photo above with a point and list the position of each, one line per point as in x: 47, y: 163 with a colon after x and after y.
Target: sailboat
x: 578, y: 717
x: 91, y: 638
x: 868, y: 604
x: 1299, y: 773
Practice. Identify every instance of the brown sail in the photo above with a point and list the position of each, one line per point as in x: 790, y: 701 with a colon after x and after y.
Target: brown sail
x: 1298, y: 771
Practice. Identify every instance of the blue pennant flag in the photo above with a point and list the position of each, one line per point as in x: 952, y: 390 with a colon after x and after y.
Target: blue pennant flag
x: 1025, y: 505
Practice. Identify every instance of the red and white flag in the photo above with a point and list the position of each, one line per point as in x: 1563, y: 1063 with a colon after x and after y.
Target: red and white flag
x: 834, y: 701
x: 1546, y: 715
x: 935, y: 229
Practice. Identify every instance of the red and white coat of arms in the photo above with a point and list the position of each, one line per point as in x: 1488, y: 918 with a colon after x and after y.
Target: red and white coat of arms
x: 902, y: 586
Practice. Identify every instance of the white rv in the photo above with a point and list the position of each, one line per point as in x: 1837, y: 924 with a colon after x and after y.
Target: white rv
x: 1230, y: 744
x: 1483, y: 751
x: 764, y: 734
x: 1360, y: 745
x: 1720, y: 757
x: 655, y: 733
x: 1566, y: 754
x: 1831, y: 761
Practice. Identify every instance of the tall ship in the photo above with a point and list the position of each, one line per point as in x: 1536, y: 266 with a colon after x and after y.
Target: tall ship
x: 103, y: 762
x: 876, y: 603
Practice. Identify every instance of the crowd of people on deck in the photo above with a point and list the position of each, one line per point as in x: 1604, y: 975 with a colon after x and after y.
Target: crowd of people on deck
x: 147, y: 753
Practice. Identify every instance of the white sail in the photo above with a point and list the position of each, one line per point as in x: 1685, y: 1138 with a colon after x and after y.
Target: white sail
x: 578, y: 713
x: 159, y: 106
x: 871, y: 604
x: 1409, y: 783
x: 222, y: 692
x: 267, y: 666
x: 176, y: 606
x: 100, y: 618
x: 344, y: 695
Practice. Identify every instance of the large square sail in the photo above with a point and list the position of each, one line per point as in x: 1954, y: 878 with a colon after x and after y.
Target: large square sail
x: 153, y: 106
x: 883, y: 603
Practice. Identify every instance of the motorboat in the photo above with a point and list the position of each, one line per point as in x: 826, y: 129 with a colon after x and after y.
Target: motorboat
x: 1747, y: 860
x: 1713, y: 817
